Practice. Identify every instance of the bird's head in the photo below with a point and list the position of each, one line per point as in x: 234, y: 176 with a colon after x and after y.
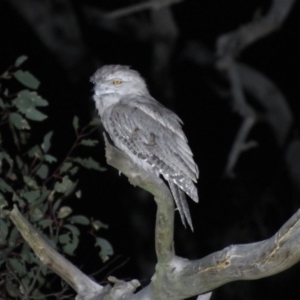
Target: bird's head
x: 117, y: 79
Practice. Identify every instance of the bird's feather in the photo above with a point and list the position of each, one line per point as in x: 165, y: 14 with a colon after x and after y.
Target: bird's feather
x: 158, y: 141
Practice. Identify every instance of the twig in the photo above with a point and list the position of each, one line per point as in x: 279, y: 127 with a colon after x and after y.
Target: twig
x: 232, y: 43
x: 81, y: 283
x: 229, y: 46
x: 30, y: 288
x: 79, y: 136
x: 158, y: 4
x: 249, y: 118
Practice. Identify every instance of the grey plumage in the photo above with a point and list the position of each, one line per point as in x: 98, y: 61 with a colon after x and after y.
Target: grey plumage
x: 146, y: 131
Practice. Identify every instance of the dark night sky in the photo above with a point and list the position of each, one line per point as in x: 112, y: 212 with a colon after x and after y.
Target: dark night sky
x: 248, y: 208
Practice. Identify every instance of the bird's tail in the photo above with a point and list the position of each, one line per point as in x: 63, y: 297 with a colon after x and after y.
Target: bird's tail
x: 181, y: 204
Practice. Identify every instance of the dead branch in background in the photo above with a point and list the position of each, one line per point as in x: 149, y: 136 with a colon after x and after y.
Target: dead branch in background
x: 231, y: 44
x: 229, y: 47
x: 153, y: 5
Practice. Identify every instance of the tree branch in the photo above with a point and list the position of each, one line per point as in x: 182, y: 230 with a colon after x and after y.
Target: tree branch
x: 156, y: 5
x: 164, y: 230
x: 229, y: 46
x: 82, y: 284
x: 238, y: 262
x: 232, y: 43
x: 175, y: 277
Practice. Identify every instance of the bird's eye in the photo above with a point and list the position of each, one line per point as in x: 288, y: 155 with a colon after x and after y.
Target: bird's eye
x: 117, y: 82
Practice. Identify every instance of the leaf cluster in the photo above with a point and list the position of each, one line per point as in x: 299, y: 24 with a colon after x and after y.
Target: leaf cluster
x: 32, y: 178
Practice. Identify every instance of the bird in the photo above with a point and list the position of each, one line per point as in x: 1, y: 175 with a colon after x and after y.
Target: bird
x: 148, y: 132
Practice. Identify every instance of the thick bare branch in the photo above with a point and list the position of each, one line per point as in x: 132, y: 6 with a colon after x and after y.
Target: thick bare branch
x: 237, y: 262
x: 232, y: 43
x: 164, y: 231
x: 82, y: 284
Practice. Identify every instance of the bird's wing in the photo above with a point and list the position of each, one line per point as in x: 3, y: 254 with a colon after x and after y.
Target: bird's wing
x: 153, y: 133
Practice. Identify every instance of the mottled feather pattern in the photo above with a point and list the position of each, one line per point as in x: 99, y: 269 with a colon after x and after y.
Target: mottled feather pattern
x: 147, y: 131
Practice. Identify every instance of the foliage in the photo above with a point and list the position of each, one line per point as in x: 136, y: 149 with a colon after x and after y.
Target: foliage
x: 32, y: 178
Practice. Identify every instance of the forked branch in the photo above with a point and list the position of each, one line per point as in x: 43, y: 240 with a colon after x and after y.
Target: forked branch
x: 175, y: 277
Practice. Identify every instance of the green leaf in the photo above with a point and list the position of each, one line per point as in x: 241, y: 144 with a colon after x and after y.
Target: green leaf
x: 47, y: 141
x: 23, y: 101
x: 36, y: 293
x: 36, y: 152
x: 70, y: 248
x: 73, y: 229
x: 66, y: 186
x: 12, y: 289
x: 106, y: 248
x: 71, y: 188
x: 32, y: 98
x: 3, y: 232
x: 27, y: 79
x: 98, y: 225
x: 36, y: 214
x: 19, y: 162
x: 18, y: 266
x: 82, y: 220
x: 26, y: 102
x: 4, y: 213
x: 18, y: 121
x: 4, y: 187
x: 89, y: 163
x: 25, y: 284
x: 20, y: 60
x: 78, y: 194
x: 56, y: 205
x: 3, y: 202
x: 45, y: 207
x: 5, y: 156
x: 43, y: 171
x: 26, y: 253
x: 64, y: 212
x: 14, y: 235
x: 89, y: 142
x: 44, y: 195
x: 74, y: 170
x: 75, y: 123
x: 65, y: 167
x: 31, y: 195
x: 35, y: 115
x: 45, y: 223
x: 49, y: 158
x: 64, y: 238
x: 20, y: 201
x: 95, y: 122
x: 30, y: 182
